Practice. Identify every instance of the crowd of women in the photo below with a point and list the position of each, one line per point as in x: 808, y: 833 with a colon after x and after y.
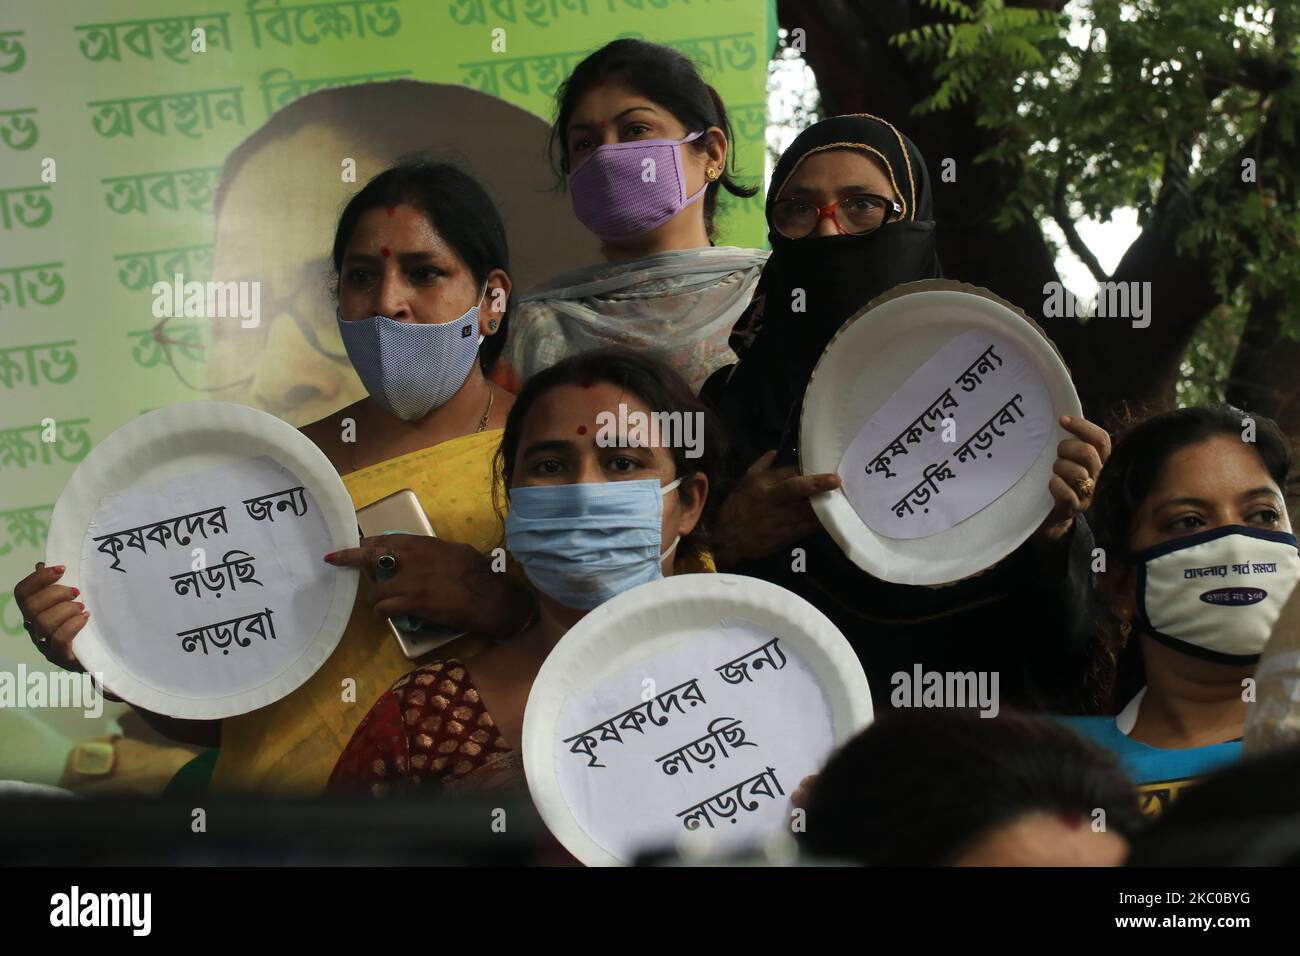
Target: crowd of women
x: 496, y: 432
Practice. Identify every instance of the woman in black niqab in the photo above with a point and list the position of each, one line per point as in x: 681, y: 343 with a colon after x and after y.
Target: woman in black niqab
x: 1025, y: 617
x: 810, y: 286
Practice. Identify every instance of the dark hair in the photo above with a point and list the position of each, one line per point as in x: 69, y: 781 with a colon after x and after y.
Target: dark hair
x: 656, y: 384
x: 456, y: 205
x: 918, y: 787
x: 663, y: 76
x: 1140, y: 450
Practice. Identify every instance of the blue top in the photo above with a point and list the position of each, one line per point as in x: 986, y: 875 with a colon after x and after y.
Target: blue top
x: 1160, y: 773
x: 1146, y: 764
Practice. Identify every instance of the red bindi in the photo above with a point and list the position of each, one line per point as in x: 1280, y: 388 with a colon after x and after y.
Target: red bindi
x: 385, y: 252
x: 582, y: 429
x: 392, y: 210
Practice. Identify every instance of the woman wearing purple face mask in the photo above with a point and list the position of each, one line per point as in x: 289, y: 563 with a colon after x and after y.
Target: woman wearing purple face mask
x: 644, y: 144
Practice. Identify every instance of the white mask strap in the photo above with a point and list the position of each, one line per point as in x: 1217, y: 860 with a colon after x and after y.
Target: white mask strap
x: 669, y: 487
x: 663, y: 491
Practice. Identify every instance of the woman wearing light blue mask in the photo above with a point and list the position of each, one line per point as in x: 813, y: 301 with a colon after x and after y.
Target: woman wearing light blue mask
x: 1191, y: 516
x: 422, y: 267
x: 415, y: 315
x: 592, y: 513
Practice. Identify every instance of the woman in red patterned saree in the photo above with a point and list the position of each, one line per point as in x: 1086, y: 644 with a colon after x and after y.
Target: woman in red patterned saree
x: 594, y: 511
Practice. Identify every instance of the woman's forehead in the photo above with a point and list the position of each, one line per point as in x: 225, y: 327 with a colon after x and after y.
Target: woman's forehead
x: 1221, y: 468
x: 607, y: 99
x: 400, y: 217
x: 601, y: 415
x: 838, y: 163
x: 569, y: 406
x: 826, y: 168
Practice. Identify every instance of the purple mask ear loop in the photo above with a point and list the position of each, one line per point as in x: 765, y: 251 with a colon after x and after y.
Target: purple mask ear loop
x: 681, y: 173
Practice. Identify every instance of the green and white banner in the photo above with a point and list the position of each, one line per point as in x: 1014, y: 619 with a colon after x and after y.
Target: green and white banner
x: 137, y: 145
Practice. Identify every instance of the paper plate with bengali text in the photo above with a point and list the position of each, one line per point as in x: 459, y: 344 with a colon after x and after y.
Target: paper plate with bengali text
x: 196, y: 534
x: 683, y: 713
x: 938, y: 405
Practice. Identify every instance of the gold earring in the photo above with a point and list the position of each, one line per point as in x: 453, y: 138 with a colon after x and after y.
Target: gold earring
x: 1125, y: 629
x: 711, y: 174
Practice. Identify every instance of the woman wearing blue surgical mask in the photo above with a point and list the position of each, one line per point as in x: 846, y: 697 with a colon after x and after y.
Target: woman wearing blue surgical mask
x: 644, y: 147
x: 1190, y: 514
x: 599, y: 502
x: 422, y: 286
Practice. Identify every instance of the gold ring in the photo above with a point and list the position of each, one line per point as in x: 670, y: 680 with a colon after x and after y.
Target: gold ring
x: 1085, y: 487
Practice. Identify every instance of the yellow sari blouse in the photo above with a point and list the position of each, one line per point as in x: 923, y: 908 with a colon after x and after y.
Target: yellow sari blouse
x: 292, y: 745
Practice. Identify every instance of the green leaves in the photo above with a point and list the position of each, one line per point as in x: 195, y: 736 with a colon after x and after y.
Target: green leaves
x: 992, y: 41
x: 1144, y: 104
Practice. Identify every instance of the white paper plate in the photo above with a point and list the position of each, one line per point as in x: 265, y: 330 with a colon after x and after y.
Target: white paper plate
x: 162, y: 446
x: 656, y: 617
x: 869, y: 358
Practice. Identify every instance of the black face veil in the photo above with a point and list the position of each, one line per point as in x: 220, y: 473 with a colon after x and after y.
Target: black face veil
x: 811, y: 286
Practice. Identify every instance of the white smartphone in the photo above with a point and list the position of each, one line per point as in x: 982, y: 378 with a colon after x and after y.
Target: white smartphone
x: 400, y: 513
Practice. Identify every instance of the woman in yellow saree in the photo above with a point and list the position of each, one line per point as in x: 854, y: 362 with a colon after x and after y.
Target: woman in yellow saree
x: 292, y: 745
x: 423, y: 288
x: 432, y: 423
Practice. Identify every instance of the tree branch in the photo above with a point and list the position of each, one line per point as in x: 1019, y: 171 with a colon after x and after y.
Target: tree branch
x: 1061, y: 213
x: 858, y: 71
x: 1263, y: 377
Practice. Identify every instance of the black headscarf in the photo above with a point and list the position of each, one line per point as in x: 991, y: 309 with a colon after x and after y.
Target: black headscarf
x: 1011, y: 619
x: 838, y: 276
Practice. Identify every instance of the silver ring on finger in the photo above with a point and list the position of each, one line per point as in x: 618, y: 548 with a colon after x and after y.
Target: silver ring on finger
x: 387, y: 561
